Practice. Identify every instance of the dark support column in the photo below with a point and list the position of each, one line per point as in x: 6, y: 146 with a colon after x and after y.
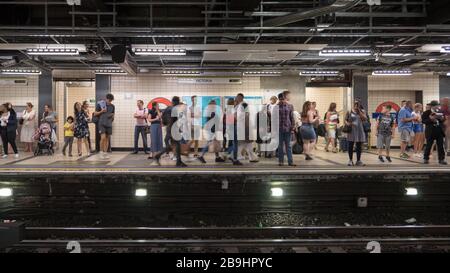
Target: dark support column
x: 361, y: 90
x: 45, y: 92
x: 444, y: 87
x: 102, y: 87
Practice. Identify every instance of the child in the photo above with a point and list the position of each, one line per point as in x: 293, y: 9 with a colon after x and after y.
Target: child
x: 385, y: 132
x: 68, y: 135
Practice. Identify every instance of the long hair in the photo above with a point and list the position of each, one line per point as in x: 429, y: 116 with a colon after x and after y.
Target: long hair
x: 332, y: 107
x: 75, y: 110
x: 305, y: 109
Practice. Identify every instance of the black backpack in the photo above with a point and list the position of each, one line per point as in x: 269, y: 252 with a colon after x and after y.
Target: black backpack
x: 167, y: 116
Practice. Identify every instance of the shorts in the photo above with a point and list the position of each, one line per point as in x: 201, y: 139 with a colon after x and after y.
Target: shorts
x: 418, y: 128
x: 406, y: 135
x: 105, y: 130
x: 384, y: 142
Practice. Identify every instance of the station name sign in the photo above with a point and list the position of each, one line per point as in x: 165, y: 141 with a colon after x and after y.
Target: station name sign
x: 197, y: 80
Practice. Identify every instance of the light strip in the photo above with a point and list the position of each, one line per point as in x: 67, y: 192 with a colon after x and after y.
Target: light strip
x: 110, y: 71
x: 445, y: 49
x: 345, y: 52
x: 180, y: 72
x: 21, y: 72
x: 262, y: 73
x: 448, y: 74
x: 329, y: 73
x: 392, y: 73
x: 53, y: 51
x: 159, y: 51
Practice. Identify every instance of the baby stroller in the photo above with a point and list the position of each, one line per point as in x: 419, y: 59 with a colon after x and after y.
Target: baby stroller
x: 46, y: 139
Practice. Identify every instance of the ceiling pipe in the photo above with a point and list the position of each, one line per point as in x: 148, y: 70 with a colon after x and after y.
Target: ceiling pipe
x: 338, y: 5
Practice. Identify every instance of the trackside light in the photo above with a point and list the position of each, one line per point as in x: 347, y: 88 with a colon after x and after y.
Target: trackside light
x: 6, y: 192
x: 276, y: 192
x: 141, y: 192
x: 411, y: 191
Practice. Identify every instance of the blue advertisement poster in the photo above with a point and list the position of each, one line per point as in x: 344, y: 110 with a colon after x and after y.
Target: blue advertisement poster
x: 202, y: 103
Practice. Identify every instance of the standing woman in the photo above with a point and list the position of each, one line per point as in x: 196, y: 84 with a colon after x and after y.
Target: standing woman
x: 419, y: 135
x: 307, y: 129
x: 28, y: 127
x: 331, y: 123
x: 8, y: 128
x: 81, y: 130
x: 355, y: 119
x: 154, y: 118
x: 316, y: 122
x: 85, y: 107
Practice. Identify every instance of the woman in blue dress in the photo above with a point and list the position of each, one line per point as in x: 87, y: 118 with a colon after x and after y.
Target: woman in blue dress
x: 154, y: 118
x: 81, y: 130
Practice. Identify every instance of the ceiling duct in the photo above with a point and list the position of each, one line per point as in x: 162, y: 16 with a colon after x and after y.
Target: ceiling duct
x: 123, y: 58
x: 338, y: 5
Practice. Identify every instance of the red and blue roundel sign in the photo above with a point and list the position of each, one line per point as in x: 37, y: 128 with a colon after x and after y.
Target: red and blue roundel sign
x: 394, y: 106
x: 163, y: 103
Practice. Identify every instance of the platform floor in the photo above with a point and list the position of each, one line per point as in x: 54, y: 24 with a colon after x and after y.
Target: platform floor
x: 123, y: 162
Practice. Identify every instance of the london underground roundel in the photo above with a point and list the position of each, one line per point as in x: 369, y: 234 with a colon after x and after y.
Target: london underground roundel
x: 163, y: 103
x: 394, y: 106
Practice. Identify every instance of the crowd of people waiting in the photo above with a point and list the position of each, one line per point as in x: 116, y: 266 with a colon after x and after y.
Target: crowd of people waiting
x: 420, y: 131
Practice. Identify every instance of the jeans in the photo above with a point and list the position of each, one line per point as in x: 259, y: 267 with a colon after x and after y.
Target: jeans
x: 8, y: 137
x: 285, y: 140
x: 68, y: 141
x: 140, y: 130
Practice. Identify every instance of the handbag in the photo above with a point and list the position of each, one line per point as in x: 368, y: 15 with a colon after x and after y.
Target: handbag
x: 346, y: 129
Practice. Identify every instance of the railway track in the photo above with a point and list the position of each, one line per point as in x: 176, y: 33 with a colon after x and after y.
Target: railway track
x: 239, y: 239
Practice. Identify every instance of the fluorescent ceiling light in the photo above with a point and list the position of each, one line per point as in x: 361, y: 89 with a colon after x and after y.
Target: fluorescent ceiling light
x: 262, y: 73
x: 52, y: 51
x: 141, y: 192
x: 448, y: 74
x: 345, y: 52
x: 389, y: 54
x: 110, y: 72
x: 329, y: 73
x: 21, y: 72
x: 276, y: 192
x: 6, y: 192
x: 180, y: 72
x: 392, y: 73
x: 411, y: 191
x: 159, y: 51
x: 445, y: 49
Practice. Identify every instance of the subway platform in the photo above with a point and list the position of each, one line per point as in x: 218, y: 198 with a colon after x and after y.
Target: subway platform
x: 125, y: 162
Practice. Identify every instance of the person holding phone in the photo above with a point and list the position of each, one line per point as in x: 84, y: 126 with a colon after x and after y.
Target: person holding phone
x: 357, y: 136
x: 104, y: 111
x: 434, y: 121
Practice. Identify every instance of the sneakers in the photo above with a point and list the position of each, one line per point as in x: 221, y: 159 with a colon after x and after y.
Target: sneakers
x: 443, y: 162
x: 201, y: 159
x: 237, y: 163
x: 350, y: 163
x: 181, y: 164
x: 292, y: 165
x: 308, y: 157
x: 388, y: 158
x: 16, y: 155
x: 4, y: 156
x: 360, y: 164
x: 219, y: 160
x: 335, y: 150
x: 381, y: 158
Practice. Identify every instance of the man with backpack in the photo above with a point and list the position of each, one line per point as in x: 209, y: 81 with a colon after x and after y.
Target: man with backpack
x: 169, y: 120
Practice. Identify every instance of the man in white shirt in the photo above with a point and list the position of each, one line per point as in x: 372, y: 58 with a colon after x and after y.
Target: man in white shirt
x: 140, y: 128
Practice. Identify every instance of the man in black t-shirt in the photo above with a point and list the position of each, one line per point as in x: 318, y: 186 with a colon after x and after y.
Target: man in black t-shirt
x: 434, y: 130
x: 104, y: 111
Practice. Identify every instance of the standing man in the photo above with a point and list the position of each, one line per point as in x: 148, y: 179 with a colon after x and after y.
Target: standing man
x: 239, y: 120
x: 196, y: 126
x: 105, y: 112
x: 287, y: 124
x: 434, y: 121
x: 405, y: 128
x: 141, y: 125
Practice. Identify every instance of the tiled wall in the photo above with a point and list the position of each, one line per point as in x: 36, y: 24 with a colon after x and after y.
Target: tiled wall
x: 324, y: 96
x: 20, y: 94
x: 127, y: 90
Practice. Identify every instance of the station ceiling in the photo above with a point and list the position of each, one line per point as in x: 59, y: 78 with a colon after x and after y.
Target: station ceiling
x: 229, y: 34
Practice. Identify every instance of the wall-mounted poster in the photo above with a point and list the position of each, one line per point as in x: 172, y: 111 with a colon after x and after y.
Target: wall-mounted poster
x: 202, y: 103
x: 251, y: 100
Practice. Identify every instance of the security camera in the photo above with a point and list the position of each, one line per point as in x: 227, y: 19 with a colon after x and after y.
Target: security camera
x: 73, y: 2
x: 374, y: 2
